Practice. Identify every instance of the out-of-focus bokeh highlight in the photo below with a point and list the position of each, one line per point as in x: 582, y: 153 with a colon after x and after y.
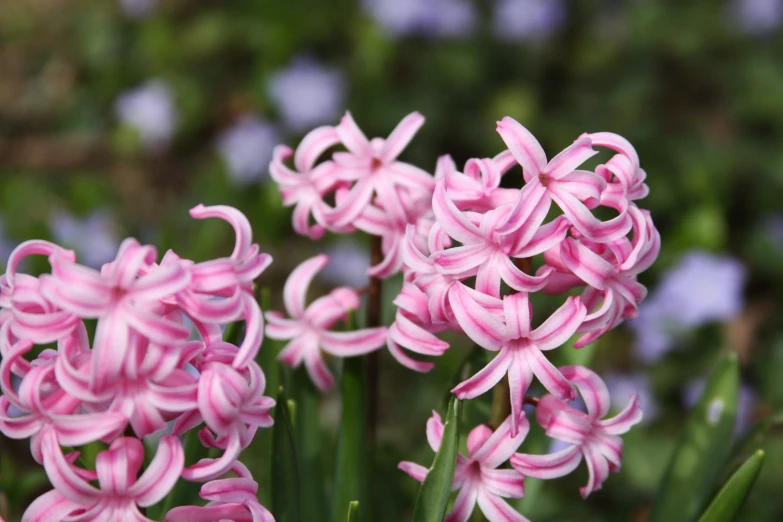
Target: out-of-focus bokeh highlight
x: 118, y: 116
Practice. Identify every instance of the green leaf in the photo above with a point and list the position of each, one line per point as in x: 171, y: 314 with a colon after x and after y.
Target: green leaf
x: 757, y: 436
x: 434, y: 491
x: 353, y: 511
x: 310, y: 446
x: 350, y: 468
x: 727, y: 503
x: 285, y: 466
x: 702, y: 449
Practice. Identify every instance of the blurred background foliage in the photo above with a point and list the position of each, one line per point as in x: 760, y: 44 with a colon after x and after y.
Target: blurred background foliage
x: 117, y: 117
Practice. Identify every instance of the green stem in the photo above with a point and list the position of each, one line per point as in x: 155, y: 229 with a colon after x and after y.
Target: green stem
x: 373, y: 319
x: 501, y: 403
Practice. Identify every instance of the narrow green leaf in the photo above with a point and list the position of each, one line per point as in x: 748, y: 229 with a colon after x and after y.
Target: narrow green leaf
x: 309, y: 445
x: 353, y: 511
x: 351, y: 465
x: 727, y: 503
x: 757, y: 437
x: 285, y: 466
x: 702, y: 449
x: 434, y: 491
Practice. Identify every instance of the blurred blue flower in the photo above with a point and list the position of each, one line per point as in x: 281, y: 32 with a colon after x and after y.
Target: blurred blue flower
x: 438, y: 18
x: 307, y: 93
x: 756, y: 16
x: 94, y: 237
x: 622, y: 386
x: 149, y: 109
x: 700, y: 289
x: 138, y: 8
x: 247, y: 148
x: 745, y: 403
x: 528, y: 19
x: 348, y: 264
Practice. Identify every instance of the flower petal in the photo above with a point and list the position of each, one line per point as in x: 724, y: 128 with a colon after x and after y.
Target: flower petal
x: 416, y: 471
x: 524, y: 146
x: 550, y: 466
x: 592, y: 389
x: 402, y: 134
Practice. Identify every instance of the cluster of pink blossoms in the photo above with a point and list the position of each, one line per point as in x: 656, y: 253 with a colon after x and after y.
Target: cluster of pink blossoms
x: 471, y: 253
x: 157, y: 364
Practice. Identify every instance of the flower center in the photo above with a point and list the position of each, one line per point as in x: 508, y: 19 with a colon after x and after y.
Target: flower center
x: 376, y: 164
x: 544, y: 179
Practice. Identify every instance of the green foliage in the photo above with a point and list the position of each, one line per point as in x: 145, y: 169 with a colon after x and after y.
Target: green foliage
x: 703, y: 448
x: 353, y: 511
x: 727, y: 504
x: 352, y: 457
x: 436, y: 487
x: 286, y: 495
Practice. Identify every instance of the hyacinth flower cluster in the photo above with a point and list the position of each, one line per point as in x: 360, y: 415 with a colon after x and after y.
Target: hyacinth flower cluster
x: 157, y: 364
x: 473, y: 246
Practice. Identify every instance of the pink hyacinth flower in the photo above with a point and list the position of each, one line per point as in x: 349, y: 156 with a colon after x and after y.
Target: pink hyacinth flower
x: 119, y: 494
x: 478, y: 188
x: 233, y: 406
x: 307, y: 186
x: 48, y: 411
x: 588, y: 436
x: 373, y: 165
x: 477, y: 477
x: 613, y: 293
x: 519, y: 347
x: 234, y: 499
x: 488, y: 254
x: 120, y: 297
x: 574, y: 191
x: 624, y: 166
x: 248, y: 262
x: 412, y: 329
x: 309, y: 326
x: 25, y: 313
x: 152, y: 387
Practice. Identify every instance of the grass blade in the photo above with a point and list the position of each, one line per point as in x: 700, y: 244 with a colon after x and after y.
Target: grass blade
x: 285, y: 466
x: 728, y: 502
x: 350, y: 467
x: 435, y: 490
x: 703, y: 448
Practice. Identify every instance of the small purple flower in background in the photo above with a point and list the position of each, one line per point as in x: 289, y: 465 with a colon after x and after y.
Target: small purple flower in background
x: 247, y: 148
x: 702, y: 288
x: 149, y: 109
x: 528, y: 19
x: 348, y: 266
x: 654, y: 331
x: 623, y: 386
x: 444, y: 18
x: 307, y: 93
x: 756, y: 16
x: 747, y: 400
x: 138, y: 8
x: 94, y: 238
